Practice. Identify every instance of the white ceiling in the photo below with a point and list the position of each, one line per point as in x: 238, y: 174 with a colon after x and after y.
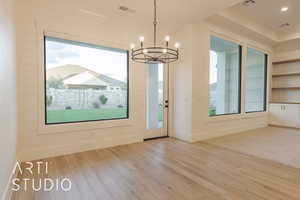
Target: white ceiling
x: 267, y: 13
x: 171, y: 11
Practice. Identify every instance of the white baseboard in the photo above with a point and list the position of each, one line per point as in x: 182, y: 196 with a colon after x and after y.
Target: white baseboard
x: 282, y: 126
x: 55, y: 150
x: 201, y: 136
x: 8, y: 192
x: 181, y: 136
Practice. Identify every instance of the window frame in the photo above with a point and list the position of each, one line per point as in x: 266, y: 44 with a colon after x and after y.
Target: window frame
x: 266, y: 57
x: 240, y: 46
x: 45, y: 87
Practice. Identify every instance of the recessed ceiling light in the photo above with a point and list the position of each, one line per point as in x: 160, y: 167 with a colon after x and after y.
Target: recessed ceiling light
x: 248, y: 2
x: 126, y: 9
x: 284, y: 25
x: 284, y: 9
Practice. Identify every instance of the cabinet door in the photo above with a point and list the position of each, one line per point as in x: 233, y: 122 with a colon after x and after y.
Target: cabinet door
x: 276, y: 116
x: 291, y: 115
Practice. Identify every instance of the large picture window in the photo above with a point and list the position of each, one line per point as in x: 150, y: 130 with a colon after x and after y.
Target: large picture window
x: 256, y: 81
x: 225, y: 77
x: 84, y: 82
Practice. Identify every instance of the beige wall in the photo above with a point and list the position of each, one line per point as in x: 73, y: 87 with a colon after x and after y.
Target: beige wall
x: 287, y: 50
x: 193, y: 97
x: 63, y: 18
x: 183, y: 86
x: 8, y: 130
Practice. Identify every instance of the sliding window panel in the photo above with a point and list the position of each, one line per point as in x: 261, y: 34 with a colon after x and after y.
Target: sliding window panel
x: 256, y: 81
x: 225, y: 77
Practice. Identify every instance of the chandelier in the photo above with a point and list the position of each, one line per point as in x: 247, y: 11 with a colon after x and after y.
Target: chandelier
x: 155, y: 54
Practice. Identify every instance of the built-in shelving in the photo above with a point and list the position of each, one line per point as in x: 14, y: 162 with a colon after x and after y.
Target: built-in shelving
x: 285, y: 101
x: 286, y: 82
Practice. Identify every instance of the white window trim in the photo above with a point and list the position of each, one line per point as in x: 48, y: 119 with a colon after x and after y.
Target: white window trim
x: 74, y: 127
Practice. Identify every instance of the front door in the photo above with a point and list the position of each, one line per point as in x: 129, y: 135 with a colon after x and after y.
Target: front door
x: 157, y: 101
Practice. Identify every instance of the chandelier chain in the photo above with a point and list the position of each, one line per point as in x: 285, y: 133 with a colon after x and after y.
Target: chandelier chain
x: 154, y: 54
x: 155, y: 23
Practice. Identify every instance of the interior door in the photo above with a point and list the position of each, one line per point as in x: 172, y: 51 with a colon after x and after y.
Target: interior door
x: 157, y: 101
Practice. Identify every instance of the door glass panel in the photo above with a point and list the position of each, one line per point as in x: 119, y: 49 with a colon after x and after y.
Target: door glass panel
x: 155, y: 96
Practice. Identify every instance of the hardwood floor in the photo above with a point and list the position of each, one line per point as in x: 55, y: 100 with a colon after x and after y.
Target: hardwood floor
x: 167, y: 169
x: 271, y: 143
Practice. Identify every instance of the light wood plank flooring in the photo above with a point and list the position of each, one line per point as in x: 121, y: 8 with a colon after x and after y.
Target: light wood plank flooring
x: 169, y: 169
x: 272, y: 143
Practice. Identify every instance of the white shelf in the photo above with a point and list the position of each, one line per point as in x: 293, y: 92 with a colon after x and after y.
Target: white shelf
x: 286, y: 61
x: 286, y: 88
x: 284, y: 102
x: 286, y: 74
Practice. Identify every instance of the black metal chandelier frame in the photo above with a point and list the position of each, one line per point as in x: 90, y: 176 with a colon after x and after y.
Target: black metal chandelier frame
x: 155, y: 54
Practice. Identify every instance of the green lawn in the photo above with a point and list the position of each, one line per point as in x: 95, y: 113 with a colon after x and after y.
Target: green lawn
x: 61, y: 116
x: 212, y: 111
